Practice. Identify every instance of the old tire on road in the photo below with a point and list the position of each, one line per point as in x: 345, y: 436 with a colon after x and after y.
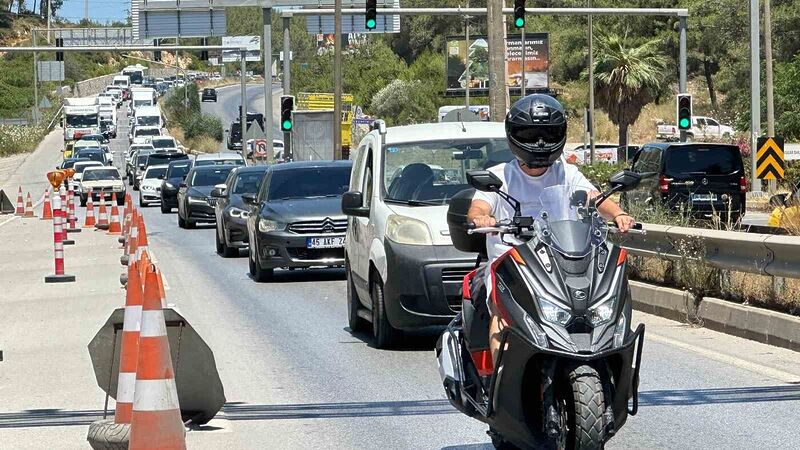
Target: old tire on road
x: 107, y: 435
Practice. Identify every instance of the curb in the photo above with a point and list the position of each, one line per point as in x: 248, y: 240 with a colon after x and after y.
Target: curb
x: 765, y: 326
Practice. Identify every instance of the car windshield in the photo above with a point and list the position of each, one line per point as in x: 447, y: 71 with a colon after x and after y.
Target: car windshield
x: 163, y: 143
x: 69, y: 163
x: 141, y: 160
x: 148, y: 132
x: 247, y: 183
x: 705, y: 160
x: 155, y: 173
x: 101, y: 174
x: 94, y: 155
x: 429, y: 173
x: 79, y: 168
x: 93, y: 137
x: 147, y: 121
x: 210, y: 177
x: 219, y: 162
x: 89, y: 120
x: 309, y: 183
x: 564, y: 223
x: 178, y: 170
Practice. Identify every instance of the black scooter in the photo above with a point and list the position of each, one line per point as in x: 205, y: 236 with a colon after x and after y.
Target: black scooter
x: 567, y: 372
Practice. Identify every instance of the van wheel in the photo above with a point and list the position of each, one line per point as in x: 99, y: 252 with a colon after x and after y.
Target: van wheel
x: 385, y: 334
x: 355, y: 322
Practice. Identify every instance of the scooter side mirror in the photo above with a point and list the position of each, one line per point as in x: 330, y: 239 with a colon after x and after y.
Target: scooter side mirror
x: 625, y: 180
x: 483, y: 180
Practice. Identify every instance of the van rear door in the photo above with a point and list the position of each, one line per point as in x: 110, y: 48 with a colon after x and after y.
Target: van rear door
x: 706, y: 176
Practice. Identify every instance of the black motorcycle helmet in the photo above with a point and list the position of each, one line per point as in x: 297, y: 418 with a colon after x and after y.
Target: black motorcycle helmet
x: 536, y: 127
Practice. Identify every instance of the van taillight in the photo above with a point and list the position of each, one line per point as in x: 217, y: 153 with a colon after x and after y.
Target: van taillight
x: 663, y: 184
x: 743, y: 185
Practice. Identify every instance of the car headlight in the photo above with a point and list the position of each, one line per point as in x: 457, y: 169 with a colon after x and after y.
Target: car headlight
x: 169, y: 186
x: 197, y: 200
x: 602, y: 312
x: 239, y: 213
x: 405, y: 230
x: 554, y: 313
x: 148, y: 188
x: 266, y: 225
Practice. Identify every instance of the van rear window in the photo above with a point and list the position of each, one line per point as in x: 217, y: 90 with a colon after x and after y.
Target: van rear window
x: 706, y: 160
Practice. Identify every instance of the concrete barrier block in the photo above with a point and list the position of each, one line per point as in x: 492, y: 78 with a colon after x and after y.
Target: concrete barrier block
x: 658, y: 300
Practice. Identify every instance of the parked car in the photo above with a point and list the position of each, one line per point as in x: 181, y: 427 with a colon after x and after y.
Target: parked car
x: 296, y: 220
x: 176, y: 173
x: 194, y: 203
x: 209, y: 95
x: 221, y: 158
x: 230, y: 210
x: 403, y: 272
x: 697, y: 178
x: 702, y: 128
x: 101, y: 181
x: 150, y: 185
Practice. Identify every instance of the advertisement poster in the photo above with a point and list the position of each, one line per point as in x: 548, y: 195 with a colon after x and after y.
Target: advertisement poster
x: 253, y: 44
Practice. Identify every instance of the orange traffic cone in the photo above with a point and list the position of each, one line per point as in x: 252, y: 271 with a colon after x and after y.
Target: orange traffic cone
x: 144, y: 262
x: 142, y: 244
x: 156, y: 420
x: 114, y: 227
x: 129, y: 349
x: 132, y: 242
x: 28, y: 207
x: 161, y: 290
x: 89, y: 222
x: 47, y: 209
x: 20, y: 204
x: 102, y: 219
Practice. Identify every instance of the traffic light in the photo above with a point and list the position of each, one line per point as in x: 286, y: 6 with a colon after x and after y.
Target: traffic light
x: 156, y: 54
x: 684, y: 112
x: 287, y: 106
x: 59, y: 55
x: 371, y: 14
x: 519, y: 13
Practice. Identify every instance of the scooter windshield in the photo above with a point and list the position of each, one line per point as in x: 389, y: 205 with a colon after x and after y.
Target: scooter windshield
x: 566, y: 224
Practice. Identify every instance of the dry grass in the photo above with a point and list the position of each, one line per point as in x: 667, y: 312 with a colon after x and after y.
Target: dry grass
x: 203, y: 144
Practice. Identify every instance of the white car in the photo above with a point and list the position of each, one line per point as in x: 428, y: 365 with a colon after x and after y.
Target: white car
x: 165, y: 144
x: 101, y: 181
x: 403, y: 271
x: 150, y: 185
x: 134, y: 147
x: 79, y: 167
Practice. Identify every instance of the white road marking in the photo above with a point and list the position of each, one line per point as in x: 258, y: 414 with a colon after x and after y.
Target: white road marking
x: 9, y: 220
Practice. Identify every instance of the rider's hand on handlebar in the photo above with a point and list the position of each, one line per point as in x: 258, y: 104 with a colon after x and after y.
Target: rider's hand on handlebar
x: 624, y: 222
x: 484, y: 221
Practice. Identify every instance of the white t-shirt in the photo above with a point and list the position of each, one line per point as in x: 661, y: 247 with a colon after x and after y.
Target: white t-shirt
x: 526, y: 189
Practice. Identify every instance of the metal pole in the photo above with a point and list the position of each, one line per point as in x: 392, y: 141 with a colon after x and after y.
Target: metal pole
x: 524, y: 48
x: 337, y: 80
x: 468, y: 71
x: 495, y: 31
x: 243, y: 112
x: 268, y: 122
x: 287, y: 79
x: 682, y: 62
x: 591, y: 89
x: 86, y: 10
x: 49, y: 14
x: 755, y: 91
x: 35, y: 82
x: 773, y: 184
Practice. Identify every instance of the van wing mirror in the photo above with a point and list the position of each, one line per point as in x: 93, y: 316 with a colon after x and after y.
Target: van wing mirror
x: 483, y: 180
x: 352, y: 204
x: 625, y: 180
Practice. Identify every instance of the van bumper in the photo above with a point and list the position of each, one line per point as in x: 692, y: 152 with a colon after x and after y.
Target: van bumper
x: 423, y: 283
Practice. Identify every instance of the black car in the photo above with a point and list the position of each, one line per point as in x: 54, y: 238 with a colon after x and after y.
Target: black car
x: 194, y: 201
x: 231, y: 211
x: 176, y: 173
x: 69, y: 162
x: 209, y: 95
x: 93, y: 154
x: 700, y: 179
x: 296, y: 218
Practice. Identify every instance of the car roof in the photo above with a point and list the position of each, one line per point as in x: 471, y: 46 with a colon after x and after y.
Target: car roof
x: 180, y: 162
x: 218, y: 155
x: 667, y: 145
x: 309, y: 165
x: 90, y: 163
x: 444, y: 131
x: 93, y: 168
x: 159, y: 166
x: 211, y: 168
x: 84, y: 150
x: 251, y: 169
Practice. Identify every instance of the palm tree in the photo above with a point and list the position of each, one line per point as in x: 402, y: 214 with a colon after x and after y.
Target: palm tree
x: 626, y: 78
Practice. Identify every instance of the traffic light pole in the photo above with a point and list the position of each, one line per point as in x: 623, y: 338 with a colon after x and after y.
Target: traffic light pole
x: 269, y: 125
x: 287, y: 80
x: 35, y: 82
x: 243, y: 112
x: 755, y: 92
x: 682, y: 63
x: 337, y: 81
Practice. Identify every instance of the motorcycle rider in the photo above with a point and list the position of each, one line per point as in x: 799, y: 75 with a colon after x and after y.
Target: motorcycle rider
x: 536, y: 128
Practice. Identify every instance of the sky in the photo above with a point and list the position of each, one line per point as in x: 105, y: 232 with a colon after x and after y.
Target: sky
x: 99, y: 10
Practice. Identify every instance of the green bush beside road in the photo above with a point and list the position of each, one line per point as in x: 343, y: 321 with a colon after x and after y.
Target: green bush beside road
x: 20, y: 139
x: 186, y: 120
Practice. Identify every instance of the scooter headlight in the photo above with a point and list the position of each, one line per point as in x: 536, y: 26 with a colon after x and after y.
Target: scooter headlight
x: 554, y: 313
x: 602, y: 312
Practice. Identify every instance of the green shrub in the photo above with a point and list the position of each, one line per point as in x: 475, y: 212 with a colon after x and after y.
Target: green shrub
x: 19, y: 139
x: 598, y: 174
x: 199, y: 125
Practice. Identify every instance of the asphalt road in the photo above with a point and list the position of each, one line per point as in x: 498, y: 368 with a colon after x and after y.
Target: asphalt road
x: 230, y: 97
x: 295, y: 377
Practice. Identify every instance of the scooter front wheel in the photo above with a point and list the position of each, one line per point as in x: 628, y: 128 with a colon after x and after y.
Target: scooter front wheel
x: 585, y: 410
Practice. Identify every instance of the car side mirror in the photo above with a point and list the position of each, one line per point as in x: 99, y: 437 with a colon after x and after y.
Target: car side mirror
x: 625, y: 180
x: 483, y: 180
x: 778, y: 201
x: 219, y: 191
x: 352, y: 204
x: 249, y: 199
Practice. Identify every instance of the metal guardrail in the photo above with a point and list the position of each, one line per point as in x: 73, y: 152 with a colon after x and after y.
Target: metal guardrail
x: 761, y: 254
x: 55, y: 117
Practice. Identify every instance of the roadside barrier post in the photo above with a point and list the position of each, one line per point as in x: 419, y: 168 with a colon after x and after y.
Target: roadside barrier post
x: 62, y: 213
x: 72, y: 217
x: 58, y: 219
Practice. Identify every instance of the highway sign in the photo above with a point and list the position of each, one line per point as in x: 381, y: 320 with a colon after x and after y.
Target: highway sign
x: 253, y: 44
x: 352, y: 23
x: 156, y: 19
x: 50, y: 70
x: 769, y: 159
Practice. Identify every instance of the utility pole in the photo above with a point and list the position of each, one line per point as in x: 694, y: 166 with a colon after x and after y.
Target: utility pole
x: 86, y: 10
x: 524, y: 79
x: 497, y: 57
x: 268, y: 122
x: 35, y: 81
x: 591, y: 87
x: 287, y: 79
x: 773, y: 184
x: 243, y: 112
x: 49, y: 14
x: 469, y: 74
x: 755, y: 91
x: 337, y: 80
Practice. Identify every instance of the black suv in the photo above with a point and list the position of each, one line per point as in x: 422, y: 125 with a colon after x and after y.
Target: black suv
x: 701, y: 179
x: 209, y: 95
x: 176, y: 173
x: 194, y: 195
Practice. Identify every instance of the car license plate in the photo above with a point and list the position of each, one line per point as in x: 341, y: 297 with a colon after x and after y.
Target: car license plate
x: 325, y: 242
x: 704, y: 197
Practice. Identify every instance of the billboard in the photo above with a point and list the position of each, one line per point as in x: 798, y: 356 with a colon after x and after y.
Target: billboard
x: 537, y: 62
x: 253, y: 44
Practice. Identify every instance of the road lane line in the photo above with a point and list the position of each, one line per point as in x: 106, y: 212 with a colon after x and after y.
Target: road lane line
x: 9, y: 220
x: 777, y: 374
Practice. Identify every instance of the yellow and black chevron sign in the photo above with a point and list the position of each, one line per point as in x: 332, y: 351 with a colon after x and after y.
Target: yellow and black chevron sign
x: 769, y: 159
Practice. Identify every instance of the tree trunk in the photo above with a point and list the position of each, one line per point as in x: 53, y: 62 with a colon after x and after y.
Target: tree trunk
x: 623, y: 135
x: 712, y: 93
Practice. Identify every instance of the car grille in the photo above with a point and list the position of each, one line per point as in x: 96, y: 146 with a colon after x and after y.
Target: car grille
x: 454, y: 274
x: 313, y: 254
x: 327, y: 225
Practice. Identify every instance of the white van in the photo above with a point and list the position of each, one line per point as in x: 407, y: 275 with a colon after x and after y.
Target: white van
x: 403, y: 272
x: 124, y: 83
x: 142, y: 97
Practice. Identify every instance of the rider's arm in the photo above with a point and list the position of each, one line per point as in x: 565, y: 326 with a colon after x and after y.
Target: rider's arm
x: 610, y: 210
x: 480, y: 213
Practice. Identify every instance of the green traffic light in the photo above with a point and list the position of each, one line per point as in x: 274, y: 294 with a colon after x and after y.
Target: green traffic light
x: 684, y: 123
x: 520, y: 22
x: 371, y: 24
x: 287, y: 125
